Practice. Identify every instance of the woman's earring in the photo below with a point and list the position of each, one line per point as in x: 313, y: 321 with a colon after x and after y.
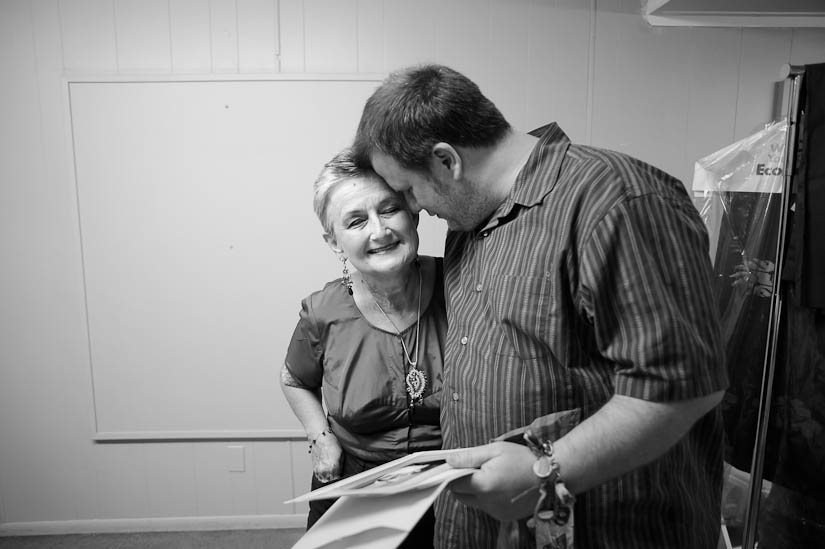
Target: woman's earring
x: 347, y: 280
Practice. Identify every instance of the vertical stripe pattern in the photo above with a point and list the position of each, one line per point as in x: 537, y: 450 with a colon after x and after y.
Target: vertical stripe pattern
x: 591, y: 279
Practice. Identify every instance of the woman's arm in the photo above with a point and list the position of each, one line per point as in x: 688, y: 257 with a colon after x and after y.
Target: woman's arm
x: 306, y: 405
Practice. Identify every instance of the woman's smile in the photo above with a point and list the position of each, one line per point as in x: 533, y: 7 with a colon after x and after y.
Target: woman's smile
x: 384, y: 249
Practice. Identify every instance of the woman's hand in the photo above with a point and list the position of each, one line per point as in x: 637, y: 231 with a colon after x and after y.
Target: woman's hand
x: 326, y: 458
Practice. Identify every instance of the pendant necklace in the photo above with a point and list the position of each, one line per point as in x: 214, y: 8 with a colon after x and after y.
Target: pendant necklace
x: 415, y: 379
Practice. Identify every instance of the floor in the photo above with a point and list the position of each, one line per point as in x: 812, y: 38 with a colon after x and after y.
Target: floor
x: 230, y: 539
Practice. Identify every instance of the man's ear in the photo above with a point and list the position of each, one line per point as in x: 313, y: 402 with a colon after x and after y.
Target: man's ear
x: 445, y: 160
x: 333, y: 244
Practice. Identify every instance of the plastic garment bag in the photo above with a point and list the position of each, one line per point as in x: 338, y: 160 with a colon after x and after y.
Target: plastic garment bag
x: 740, y: 198
x: 738, y: 193
x: 741, y: 188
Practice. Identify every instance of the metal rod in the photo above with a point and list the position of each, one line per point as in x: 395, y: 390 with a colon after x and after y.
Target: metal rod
x: 789, y: 70
x: 795, y: 73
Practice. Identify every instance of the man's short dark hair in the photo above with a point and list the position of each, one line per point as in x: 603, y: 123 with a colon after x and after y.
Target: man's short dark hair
x: 417, y: 107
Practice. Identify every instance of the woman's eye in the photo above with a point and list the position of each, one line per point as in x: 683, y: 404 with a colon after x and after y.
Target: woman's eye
x: 355, y: 222
x: 390, y: 210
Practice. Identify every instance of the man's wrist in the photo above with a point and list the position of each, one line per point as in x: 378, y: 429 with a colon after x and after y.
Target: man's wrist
x: 555, y: 500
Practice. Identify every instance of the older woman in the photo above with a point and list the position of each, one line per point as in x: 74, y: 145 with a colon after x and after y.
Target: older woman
x: 370, y: 342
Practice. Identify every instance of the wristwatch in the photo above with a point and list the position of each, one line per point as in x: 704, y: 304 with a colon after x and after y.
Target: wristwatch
x: 546, y: 468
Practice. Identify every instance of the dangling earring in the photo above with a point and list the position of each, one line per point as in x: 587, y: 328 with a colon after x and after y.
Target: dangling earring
x: 347, y: 280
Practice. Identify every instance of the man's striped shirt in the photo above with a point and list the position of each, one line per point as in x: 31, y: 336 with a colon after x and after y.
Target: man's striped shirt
x: 591, y: 279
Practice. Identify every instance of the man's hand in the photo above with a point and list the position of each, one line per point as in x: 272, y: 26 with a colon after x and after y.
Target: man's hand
x: 504, y: 487
x: 326, y: 458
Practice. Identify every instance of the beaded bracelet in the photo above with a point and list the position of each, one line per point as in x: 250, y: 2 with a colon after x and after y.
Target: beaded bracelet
x: 313, y: 441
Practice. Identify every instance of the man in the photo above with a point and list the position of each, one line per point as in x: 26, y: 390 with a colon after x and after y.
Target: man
x: 577, y: 280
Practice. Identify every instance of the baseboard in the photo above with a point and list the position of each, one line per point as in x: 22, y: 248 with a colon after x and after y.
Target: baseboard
x: 171, y: 524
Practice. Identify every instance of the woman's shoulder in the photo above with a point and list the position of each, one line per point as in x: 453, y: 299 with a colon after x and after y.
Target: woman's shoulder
x: 329, y: 302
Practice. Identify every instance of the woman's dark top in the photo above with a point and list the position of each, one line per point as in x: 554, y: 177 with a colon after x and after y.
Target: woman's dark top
x: 361, y: 371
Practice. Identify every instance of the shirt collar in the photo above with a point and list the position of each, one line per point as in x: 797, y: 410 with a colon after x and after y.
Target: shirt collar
x: 539, y: 174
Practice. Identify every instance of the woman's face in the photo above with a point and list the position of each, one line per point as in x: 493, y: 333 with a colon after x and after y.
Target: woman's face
x: 372, y: 227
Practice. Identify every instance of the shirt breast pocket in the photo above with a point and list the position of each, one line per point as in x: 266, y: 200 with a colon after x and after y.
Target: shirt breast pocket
x: 523, y: 309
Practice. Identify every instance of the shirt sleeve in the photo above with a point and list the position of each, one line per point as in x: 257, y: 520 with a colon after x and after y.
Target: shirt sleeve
x: 646, y: 284
x: 304, y: 357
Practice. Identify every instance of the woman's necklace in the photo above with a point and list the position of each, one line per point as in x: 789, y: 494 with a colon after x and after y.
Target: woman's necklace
x: 415, y: 379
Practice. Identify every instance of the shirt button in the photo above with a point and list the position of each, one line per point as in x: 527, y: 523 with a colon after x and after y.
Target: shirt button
x: 464, y: 340
x: 455, y: 397
x: 478, y: 287
x: 485, y: 234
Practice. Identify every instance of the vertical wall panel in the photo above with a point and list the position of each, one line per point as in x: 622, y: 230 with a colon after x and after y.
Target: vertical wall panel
x: 224, y: 25
x: 170, y: 479
x: 214, y: 494
x: 47, y: 43
x: 764, y: 51
x: 121, y: 487
x: 59, y: 285
x: 142, y: 33
x: 462, y: 41
x: 270, y: 465
x: 258, y: 35
x: 640, y: 91
x: 371, y: 36
x: 37, y: 370
x: 243, y: 488
x: 572, y: 33
x: 301, y: 473
x: 190, y: 36
x: 331, y: 38
x: 807, y: 46
x: 409, y: 32
x: 712, y: 93
x: 559, y: 57
x: 88, y: 32
x: 291, y: 29
x: 509, y: 70
x: 542, y: 56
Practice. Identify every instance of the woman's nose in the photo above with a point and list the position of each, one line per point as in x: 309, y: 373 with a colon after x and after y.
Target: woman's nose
x: 377, y: 227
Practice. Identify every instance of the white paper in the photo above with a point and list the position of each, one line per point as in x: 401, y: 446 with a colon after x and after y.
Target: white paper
x: 376, y: 522
x: 377, y: 508
x: 411, y: 472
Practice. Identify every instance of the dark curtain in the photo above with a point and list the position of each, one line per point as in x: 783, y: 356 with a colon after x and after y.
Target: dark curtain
x: 793, y: 513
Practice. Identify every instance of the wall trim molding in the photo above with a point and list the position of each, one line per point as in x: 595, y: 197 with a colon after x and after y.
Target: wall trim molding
x: 159, y: 524
x: 194, y: 436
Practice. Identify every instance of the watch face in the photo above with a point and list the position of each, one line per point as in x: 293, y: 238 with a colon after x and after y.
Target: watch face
x: 543, y: 467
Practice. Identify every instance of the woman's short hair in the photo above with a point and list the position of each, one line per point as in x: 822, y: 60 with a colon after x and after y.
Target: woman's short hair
x: 341, y: 168
x: 419, y: 106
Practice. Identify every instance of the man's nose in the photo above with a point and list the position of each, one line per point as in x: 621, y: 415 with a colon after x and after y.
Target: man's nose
x: 412, y: 204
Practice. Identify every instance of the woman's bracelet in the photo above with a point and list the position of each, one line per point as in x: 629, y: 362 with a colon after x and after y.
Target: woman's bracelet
x: 313, y: 441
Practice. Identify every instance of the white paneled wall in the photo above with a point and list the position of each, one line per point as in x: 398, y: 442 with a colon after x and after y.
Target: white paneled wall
x: 667, y: 95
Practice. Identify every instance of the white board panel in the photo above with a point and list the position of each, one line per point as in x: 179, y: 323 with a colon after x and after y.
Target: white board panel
x: 199, y: 241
